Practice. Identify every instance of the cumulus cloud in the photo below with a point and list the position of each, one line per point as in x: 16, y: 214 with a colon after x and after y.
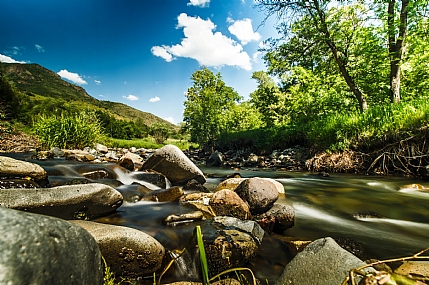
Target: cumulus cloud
x: 170, y: 119
x: 154, y: 99
x: 207, y: 47
x: 7, y: 59
x: 73, y: 77
x: 131, y: 97
x: 98, y: 82
x: 199, y: 3
x: 162, y: 52
x: 39, y: 48
x: 243, y: 30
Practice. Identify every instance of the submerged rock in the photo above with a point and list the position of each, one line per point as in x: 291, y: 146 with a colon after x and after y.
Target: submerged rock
x: 175, y: 165
x: 37, y: 249
x: 129, y: 252
x: 83, y: 201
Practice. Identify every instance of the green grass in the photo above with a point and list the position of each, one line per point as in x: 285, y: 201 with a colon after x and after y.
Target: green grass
x: 149, y: 142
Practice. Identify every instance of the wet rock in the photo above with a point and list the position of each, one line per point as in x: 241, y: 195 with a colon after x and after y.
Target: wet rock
x: 12, y: 168
x: 17, y: 183
x: 152, y: 177
x: 322, y: 262
x: 131, y: 161
x: 129, y: 252
x: 367, y: 215
x: 230, y: 184
x: 194, y: 185
x: 227, y: 246
x: 175, y: 165
x: 131, y: 193
x: 354, y: 247
x: 84, y: 201
x: 414, y: 268
x: 37, y: 249
x: 228, y: 203
x: 79, y: 155
x: 174, y: 220
x: 260, y: 194
x: 293, y: 244
x: 277, y: 219
x: 200, y: 202
x: 249, y: 227
x: 226, y: 281
x: 43, y: 155
x: 164, y: 195
x: 215, y: 159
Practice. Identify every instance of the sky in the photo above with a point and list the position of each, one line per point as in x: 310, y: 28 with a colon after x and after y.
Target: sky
x: 138, y: 52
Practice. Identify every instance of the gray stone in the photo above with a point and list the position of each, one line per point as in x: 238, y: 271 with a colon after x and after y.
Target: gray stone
x: 101, y: 148
x: 37, y: 249
x: 83, y: 201
x: 131, y: 161
x: 250, y: 227
x: 215, y: 159
x: 13, y: 168
x: 260, y: 194
x: 277, y: 219
x: 129, y: 252
x: 175, y: 165
x: 322, y: 262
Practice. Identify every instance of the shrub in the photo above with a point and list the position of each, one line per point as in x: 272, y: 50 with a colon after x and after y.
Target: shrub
x: 69, y: 131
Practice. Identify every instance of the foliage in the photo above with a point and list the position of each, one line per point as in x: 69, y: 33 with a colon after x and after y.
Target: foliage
x: 159, y: 132
x: 149, y: 142
x: 68, y: 131
x: 207, y: 103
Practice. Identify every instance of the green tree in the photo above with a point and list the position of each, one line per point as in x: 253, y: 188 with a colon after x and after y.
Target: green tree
x: 206, y: 105
x: 160, y: 132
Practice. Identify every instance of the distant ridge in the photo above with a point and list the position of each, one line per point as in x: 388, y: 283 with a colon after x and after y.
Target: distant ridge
x: 34, y: 79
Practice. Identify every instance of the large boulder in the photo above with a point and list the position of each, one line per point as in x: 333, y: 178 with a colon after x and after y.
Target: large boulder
x: 13, y: 168
x: 175, y: 165
x: 322, y: 262
x: 129, y: 252
x: 37, y: 249
x: 260, y: 194
x: 83, y: 201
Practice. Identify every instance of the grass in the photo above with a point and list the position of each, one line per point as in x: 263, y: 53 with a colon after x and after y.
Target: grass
x: 149, y: 142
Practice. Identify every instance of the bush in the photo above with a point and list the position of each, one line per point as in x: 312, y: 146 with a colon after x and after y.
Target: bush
x: 68, y: 131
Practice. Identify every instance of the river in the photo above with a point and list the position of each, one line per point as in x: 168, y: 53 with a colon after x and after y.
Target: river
x: 324, y: 206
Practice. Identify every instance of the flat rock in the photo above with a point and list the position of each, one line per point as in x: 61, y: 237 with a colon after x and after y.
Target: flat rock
x: 82, y: 201
x: 175, y: 165
x: 37, y: 249
x: 13, y: 168
x: 322, y: 262
x: 129, y: 252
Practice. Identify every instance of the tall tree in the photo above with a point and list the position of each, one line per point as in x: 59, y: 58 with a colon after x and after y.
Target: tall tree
x: 206, y: 106
x: 315, y: 11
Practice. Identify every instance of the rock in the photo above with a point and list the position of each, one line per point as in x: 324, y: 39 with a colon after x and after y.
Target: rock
x: 152, y: 177
x: 203, y: 198
x: 277, y: 219
x: 228, y: 203
x: 249, y: 227
x: 294, y: 245
x: 79, y: 155
x: 43, y: 155
x: 175, y: 165
x: 131, y: 161
x: 164, y: 195
x: 101, y: 148
x: 37, y: 249
x: 414, y: 267
x: 215, y: 159
x: 17, y: 183
x: 83, y: 201
x: 230, y: 184
x: 322, y: 262
x: 226, y: 281
x: 227, y: 246
x: 129, y: 252
x: 194, y: 185
x: 260, y: 194
x: 12, y: 168
x: 174, y: 220
x: 57, y: 152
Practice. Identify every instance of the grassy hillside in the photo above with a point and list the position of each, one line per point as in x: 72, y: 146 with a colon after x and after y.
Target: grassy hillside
x: 38, y: 84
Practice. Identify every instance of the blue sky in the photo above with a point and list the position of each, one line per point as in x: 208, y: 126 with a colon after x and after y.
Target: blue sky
x: 138, y: 52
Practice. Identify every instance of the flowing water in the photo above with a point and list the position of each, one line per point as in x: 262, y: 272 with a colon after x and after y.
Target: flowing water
x: 398, y: 224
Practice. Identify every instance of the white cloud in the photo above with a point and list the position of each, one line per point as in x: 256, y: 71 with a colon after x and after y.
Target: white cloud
x: 131, y: 97
x: 73, y: 77
x: 162, y: 52
x: 205, y: 46
x: 243, y: 30
x: 98, y: 82
x: 7, y: 59
x: 39, y: 48
x: 199, y: 3
x: 170, y: 119
x: 154, y: 99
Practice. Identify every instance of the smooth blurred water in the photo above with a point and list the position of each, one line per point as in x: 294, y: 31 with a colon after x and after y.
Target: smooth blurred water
x: 323, y: 207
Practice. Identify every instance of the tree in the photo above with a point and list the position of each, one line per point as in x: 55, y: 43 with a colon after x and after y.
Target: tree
x: 206, y: 105
x: 315, y: 11
x: 160, y: 132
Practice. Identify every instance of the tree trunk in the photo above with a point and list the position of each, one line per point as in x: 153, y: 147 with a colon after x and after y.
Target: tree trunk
x: 396, y: 46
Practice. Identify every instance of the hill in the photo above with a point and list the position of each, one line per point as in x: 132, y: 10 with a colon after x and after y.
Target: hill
x: 35, y: 81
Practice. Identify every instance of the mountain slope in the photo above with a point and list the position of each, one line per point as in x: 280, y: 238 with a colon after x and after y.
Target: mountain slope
x: 34, y: 79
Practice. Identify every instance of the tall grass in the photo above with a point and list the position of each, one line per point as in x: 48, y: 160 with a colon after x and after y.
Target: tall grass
x: 149, y: 142
x: 68, y: 131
